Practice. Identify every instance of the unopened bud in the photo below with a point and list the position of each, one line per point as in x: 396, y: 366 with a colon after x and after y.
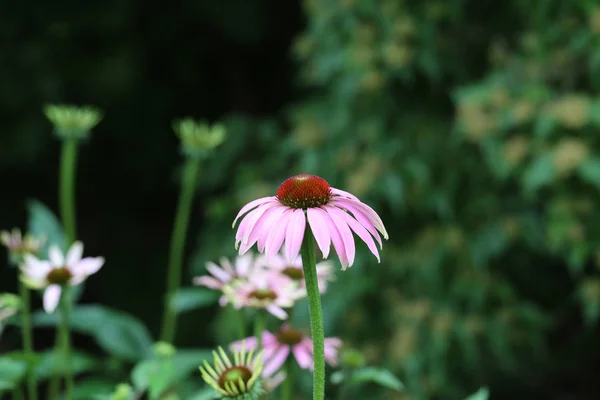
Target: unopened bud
x: 198, y: 138
x: 71, y: 122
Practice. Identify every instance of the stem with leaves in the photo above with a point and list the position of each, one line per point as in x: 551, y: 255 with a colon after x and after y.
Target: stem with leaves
x: 309, y: 266
x: 65, y: 339
x: 184, y: 207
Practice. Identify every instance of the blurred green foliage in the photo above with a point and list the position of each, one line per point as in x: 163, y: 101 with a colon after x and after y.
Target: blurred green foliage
x: 471, y: 127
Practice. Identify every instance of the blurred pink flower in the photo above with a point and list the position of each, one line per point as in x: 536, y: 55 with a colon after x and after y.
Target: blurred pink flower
x: 332, y: 215
x: 278, y: 346
x: 17, y: 243
x: 58, y: 271
x: 268, y: 291
x: 293, y: 270
x: 227, y: 277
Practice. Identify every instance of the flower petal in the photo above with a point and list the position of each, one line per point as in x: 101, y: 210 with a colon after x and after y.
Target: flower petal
x: 251, y: 205
x: 208, y: 281
x: 318, y: 225
x: 294, y: 235
x: 87, y: 266
x: 277, y: 234
x: 52, y: 297
x: 361, y: 217
x: 343, y: 193
x: 276, y: 361
x: 249, y: 343
x: 56, y: 257
x: 345, y: 233
x: 331, y: 350
x: 218, y: 272
x: 261, y: 229
x: 35, y: 268
x: 358, y: 229
x: 369, y: 213
x: 336, y: 240
x: 277, y: 311
x: 303, y: 354
x: 74, y: 254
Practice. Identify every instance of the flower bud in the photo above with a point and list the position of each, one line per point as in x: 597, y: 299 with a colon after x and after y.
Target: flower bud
x: 71, y: 122
x: 198, y: 138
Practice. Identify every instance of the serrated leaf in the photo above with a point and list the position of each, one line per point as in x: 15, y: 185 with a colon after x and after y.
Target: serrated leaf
x: 187, y: 299
x: 377, y: 375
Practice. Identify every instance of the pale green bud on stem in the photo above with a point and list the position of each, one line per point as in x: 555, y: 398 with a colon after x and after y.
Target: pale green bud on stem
x: 71, y: 122
x: 198, y: 138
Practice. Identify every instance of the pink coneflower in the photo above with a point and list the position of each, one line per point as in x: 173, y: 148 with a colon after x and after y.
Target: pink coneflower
x: 268, y: 291
x: 19, y: 244
x: 227, y: 276
x: 332, y: 215
x: 58, y: 271
x: 278, y: 346
x: 293, y: 270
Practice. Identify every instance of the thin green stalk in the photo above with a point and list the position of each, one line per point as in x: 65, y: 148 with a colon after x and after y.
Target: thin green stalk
x: 65, y: 339
x: 287, y: 387
x: 68, y: 162
x: 259, y: 327
x: 184, y: 207
x: 309, y: 266
x: 27, y: 338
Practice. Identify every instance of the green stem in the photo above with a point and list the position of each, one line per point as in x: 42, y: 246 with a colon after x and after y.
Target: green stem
x: 309, y: 266
x: 68, y: 161
x: 177, y: 246
x: 287, y: 387
x: 27, y: 339
x: 65, y: 339
x: 259, y: 327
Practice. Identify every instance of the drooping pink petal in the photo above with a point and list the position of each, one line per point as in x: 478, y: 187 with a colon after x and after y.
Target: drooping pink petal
x: 277, y: 311
x: 276, y: 361
x: 332, y: 346
x: 358, y: 229
x: 74, y: 254
x: 35, y: 268
x: 223, y: 300
x: 249, y: 343
x: 336, y: 240
x: 251, y: 205
x: 277, y: 234
x: 271, y: 382
x: 303, y: 355
x: 226, y: 264
x: 369, y: 213
x: 208, y: 281
x: 218, y: 272
x: 51, y: 297
x: 345, y: 233
x: 343, y: 193
x: 361, y: 217
x: 269, y: 340
x: 88, y: 266
x: 318, y: 224
x: 262, y: 228
x: 254, y: 217
x: 294, y: 235
x: 56, y: 256
x: 243, y: 264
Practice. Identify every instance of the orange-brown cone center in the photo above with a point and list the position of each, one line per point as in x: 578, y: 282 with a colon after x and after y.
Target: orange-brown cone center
x: 289, y: 336
x: 59, y: 276
x: 304, y: 191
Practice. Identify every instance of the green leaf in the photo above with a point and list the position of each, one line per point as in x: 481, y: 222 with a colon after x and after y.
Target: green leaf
x: 44, y: 223
x: 11, y: 373
x: 119, y: 334
x: 93, y: 389
x: 589, y: 170
x: 380, y: 376
x: 51, y: 363
x: 481, y: 394
x: 539, y: 173
x: 187, y: 299
x: 206, y: 394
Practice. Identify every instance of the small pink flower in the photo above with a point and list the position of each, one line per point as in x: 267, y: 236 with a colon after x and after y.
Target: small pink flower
x: 332, y: 215
x: 58, y: 271
x: 268, y: 291
x: 279, y: 345
x: 227, y: 276
x: 293, y: 270
x: 16, y: 243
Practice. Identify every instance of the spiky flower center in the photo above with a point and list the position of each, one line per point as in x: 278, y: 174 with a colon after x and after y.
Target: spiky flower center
x: 231, y: 377
x: 59, y: 276
x: 293, y: 273
x: 263, y: 294
x: 304, y: 191
x: 289, y: 336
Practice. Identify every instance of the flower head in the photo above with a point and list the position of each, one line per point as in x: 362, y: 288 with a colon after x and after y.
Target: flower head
x: 58, y: 271
x: 19, y: 245
x: 268, y: 291
x: 293, y: 270
x: 332, y: 215
x: 198, y: 137
x: 71, y: 121
x: 240, y: 379
x: 287, y: 340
